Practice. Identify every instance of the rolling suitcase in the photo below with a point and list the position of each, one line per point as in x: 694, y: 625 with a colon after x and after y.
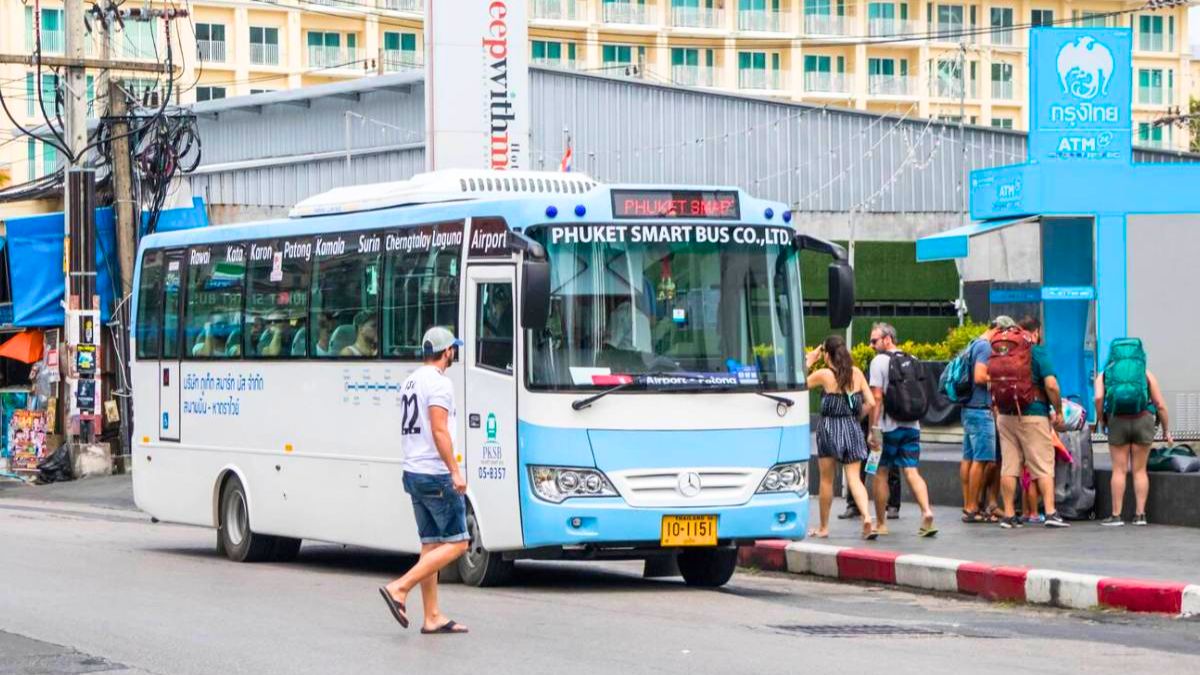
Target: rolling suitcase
x: 1075, y: 481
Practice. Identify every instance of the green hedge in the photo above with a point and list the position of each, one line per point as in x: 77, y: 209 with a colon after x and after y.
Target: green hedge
x: 884, y: 270
x: 915, y: 328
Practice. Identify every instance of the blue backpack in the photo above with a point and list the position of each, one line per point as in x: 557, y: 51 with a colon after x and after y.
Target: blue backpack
x: 958, y: 379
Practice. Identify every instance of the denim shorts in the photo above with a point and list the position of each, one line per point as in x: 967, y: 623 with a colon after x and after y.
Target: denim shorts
x: 441, y: 512
x: 901, y: 448
x: 979, y: 435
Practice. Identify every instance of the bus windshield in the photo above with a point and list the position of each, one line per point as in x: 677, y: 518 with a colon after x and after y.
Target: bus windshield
x: 680, y: 306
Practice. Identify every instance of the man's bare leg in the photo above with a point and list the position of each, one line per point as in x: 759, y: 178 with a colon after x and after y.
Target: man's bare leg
x: 433, y: 558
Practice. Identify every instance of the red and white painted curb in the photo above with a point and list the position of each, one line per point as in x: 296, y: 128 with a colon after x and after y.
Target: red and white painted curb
x: 991, y: 582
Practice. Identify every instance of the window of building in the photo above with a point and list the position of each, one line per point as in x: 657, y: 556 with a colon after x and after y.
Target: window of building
x: 814, y: 63
x: 1002, y: 122
x: 1002, y: 81
x: 213, y: 315
x: 264, y: 45
x: 881, y: 67
x: 210, y: 41
x: 137, y: 40
x: 1150, y: 86
x: 31, y: 158
x: 53, y: 37
x: 1001, y: 17
x: 345, y: 295
x: 33, y: 107
x: 1086, y: 19
x: 1156, y: 33
x: 209, y: 93
x: 49, y: 159
x: 494, y: 330
x: 681, y: 56
x: 277, y: 292
x: 148, y: 327
x: 421, y: 286
x: 621, y: 54
x: 950, y: 15
x: 1150, y: 134
x: 1042, y: 17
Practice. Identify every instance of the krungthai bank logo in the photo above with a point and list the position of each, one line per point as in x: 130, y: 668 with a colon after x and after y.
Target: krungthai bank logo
x: 1085, y: 70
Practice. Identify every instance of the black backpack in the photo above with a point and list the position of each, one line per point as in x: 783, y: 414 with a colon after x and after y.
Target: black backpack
x: 906, y: 399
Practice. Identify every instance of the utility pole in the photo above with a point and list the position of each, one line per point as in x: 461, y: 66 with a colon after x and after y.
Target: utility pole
x: 127, y: 228
x: 961, y: 303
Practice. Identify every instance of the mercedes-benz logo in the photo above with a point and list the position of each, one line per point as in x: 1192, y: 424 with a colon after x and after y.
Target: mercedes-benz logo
x: 689, y: 484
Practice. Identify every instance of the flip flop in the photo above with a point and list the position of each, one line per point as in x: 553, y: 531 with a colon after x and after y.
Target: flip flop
x: 446, y: 628
x: 816, y: 535
x: 397, y: 608
x: 927, y: 531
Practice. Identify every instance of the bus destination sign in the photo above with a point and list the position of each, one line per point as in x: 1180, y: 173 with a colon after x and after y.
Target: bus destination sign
x: 713, y: 204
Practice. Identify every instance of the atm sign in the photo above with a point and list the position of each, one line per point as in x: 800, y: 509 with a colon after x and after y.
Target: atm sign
x: 711, y: 204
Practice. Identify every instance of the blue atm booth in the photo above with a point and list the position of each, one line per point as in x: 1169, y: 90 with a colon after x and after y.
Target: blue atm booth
x: 1118, y: 238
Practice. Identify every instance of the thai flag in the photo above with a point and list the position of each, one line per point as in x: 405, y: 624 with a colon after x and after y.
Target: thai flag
x: 565, y: 165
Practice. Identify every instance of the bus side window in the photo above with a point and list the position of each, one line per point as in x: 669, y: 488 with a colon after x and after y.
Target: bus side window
x: 345, y: 296
x: 172, y: 289
x: 494, y: 328
x: 148, y: 328
x: 421, y: 288
x: 213, y: 316
x: 277, y: 279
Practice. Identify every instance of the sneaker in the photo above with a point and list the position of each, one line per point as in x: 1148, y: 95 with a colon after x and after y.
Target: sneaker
x: 1011, y: 523
x: 1055, y: 520
x: 851, y: 513
x: 893, y: 513
x: 1112, y: 521
x: 1034, y: 520
x: 1140, y: 520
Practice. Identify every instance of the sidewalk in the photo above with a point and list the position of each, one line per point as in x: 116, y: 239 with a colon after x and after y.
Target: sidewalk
x: 1151, y: 569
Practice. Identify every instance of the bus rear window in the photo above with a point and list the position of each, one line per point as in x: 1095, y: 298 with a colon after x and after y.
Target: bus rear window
x: 213, y: 317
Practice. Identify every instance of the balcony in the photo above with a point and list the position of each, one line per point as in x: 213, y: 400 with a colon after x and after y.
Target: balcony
x: 1003, y: 90
x: 396, y: 60
x: 626, y: 12
x: 953, y: 32
x: 891, y: 85
x: 826, y: 82
x: 211, y: 51
x: 1150, y: 95
x: 881, y: 27
x: 760, y: 79
x: 696, y: 17
x: 410, y: 6
x: 53, y: 41
x: 761, y: 21
x: 826, y: 24
x: 567, y: 64
x: 335, y: 57
x: 1002, y: 36
x: 559, y: 10
x: 1147, y: 42
x: 952, y: 87
x: 694, y: 76
x: 264, y: 54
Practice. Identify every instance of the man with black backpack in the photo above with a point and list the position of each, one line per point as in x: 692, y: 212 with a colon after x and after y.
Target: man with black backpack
x: 896, y: 378
x: 1027, y: 399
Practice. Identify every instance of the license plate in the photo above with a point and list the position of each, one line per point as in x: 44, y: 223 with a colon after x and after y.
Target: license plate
x: 689, y: 531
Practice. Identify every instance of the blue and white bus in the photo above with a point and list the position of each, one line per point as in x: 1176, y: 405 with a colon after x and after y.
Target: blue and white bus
x: 632, y: 383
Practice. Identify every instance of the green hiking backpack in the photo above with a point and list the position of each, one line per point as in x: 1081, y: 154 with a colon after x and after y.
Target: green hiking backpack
x: 1126, y: 390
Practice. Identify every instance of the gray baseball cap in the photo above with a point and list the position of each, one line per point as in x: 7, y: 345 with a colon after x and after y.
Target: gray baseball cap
x: 439, y: 339
x: 1003, y: 321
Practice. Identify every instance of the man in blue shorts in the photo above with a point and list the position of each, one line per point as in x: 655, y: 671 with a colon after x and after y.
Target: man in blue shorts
x: 901, y: 440
x: 979, y: 431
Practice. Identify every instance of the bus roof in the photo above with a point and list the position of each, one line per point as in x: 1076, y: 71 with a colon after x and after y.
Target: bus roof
x: 522, y: 198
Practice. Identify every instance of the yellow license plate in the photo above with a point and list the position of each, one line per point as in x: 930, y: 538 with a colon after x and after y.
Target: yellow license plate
x: 689, y: 531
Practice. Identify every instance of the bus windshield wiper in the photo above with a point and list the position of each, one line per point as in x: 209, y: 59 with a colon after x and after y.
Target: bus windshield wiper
x: 640, y: 378
x: 587, y: 402
x: 781, y: 400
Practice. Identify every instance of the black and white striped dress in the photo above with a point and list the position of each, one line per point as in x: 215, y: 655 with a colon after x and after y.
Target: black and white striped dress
x: 840, y: 436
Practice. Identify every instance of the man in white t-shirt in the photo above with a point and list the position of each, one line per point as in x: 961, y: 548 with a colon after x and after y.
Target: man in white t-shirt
x: 432, y: 479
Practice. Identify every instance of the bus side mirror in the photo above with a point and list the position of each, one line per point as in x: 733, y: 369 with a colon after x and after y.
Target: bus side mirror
x: 535, y: 293
x: 841, y: 294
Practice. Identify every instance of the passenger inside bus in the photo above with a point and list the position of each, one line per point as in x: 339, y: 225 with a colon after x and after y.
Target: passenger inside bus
x: 211, y: 341
x: 277, y: 334
x: 366, y: 342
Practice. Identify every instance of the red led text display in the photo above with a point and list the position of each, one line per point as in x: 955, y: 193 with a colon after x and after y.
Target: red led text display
x: 675, y: 204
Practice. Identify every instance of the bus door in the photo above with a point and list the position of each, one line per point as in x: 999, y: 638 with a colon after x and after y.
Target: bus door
x: 490, y: 398
x: 169, y: 389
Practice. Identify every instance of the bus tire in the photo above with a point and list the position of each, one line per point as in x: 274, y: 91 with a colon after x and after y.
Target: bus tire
x: 708, y: 568
x: 478, y: 566
x: 285, y: 550
x: 235, y: 539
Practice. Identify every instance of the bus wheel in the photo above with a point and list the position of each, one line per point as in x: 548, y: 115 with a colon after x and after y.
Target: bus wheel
x: 479, y: 566
x: 234, y: 536
x: 708, y: 568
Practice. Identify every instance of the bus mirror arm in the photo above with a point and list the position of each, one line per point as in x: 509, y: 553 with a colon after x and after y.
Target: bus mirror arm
x: 523, y: 244
x: 841, y: 278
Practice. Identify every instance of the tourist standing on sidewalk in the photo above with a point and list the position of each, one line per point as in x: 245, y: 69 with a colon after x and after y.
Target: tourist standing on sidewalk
x: 1026, y: 395
x: 1131, y: 405
x: 845, y: 399
x: 901, y: 438
x: 979, y: 430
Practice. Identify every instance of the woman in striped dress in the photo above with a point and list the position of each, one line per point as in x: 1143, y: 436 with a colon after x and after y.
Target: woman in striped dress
x: 845, y: 399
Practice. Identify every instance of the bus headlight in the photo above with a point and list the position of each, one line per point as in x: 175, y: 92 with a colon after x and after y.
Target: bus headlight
x: 557, y: 483
x: 790, y: 477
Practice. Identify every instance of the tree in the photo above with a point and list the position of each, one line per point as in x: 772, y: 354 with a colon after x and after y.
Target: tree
x: 1194, y: 124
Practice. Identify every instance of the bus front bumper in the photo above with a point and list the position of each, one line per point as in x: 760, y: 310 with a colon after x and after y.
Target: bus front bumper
x: 581, y: 521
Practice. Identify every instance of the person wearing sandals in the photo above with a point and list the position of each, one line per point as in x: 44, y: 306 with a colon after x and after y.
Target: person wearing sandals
x: 979, y: 430
x: 845, y: 399
x: 1130, y: 435
x: 433, y: 480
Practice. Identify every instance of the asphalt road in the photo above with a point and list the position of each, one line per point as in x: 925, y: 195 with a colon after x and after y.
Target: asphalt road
x: 96, y: 588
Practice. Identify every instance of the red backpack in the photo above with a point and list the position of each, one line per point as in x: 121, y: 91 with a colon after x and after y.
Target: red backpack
x: 1010, y: 370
